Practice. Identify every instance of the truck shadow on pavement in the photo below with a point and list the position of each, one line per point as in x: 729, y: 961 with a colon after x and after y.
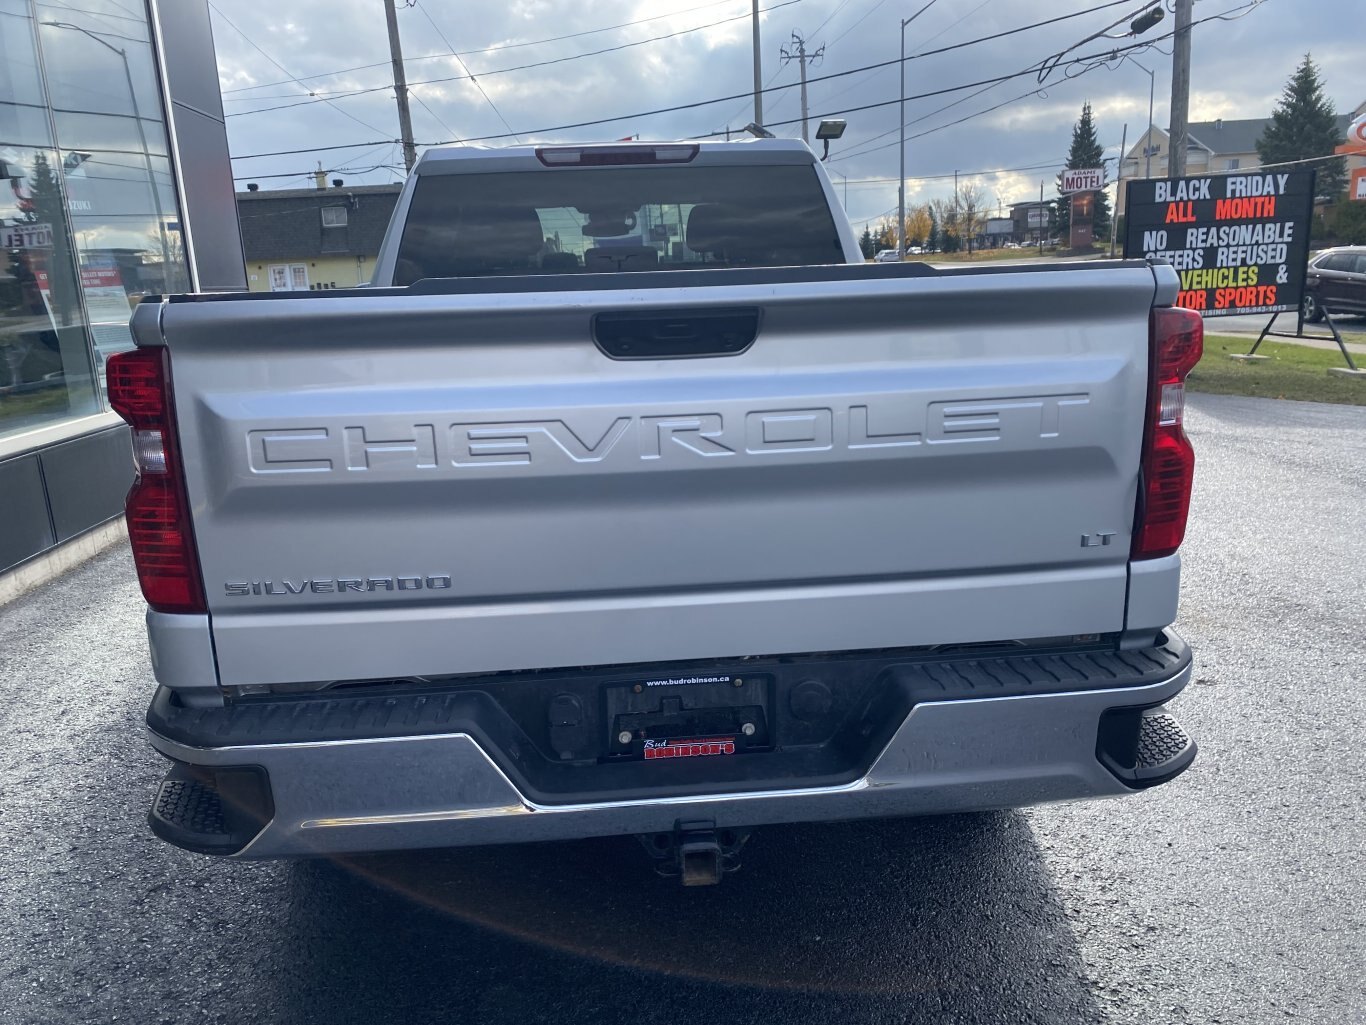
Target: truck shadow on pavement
x: 930, y: 920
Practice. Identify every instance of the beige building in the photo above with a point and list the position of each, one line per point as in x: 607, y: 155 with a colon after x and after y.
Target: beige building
x: 1215, y: 147
x: 309, y: 239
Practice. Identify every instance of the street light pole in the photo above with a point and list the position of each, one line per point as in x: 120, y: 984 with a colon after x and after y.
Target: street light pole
x: 142, y: 141
x: 1119, y: 189
x: 901, y: 116
x: 758, y: 71
x: 1147, y: 135
x: 901, y: 178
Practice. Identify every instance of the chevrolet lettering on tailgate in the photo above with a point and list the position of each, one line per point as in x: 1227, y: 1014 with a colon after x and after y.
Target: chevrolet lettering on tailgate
x: 709, y: 435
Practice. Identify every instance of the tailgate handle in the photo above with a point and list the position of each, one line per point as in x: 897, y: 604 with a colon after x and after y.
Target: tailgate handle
x: 676, y: 334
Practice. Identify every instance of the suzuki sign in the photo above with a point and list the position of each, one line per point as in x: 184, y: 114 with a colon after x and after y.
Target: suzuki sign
x: 1083, y: 179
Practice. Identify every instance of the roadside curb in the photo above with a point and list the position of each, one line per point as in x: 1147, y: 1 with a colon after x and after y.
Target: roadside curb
x: 55, y: 561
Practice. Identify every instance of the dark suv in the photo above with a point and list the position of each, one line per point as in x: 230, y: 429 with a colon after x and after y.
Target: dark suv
x: 1336, y: 282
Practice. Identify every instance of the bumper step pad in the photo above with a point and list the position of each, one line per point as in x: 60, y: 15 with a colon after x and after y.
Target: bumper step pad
x: 208, y: 811
x: 1145, y: 747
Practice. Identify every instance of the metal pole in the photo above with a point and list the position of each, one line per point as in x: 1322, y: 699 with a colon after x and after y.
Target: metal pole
x: 142, y: 139
x: 901, y: 181
x: 1042, y: 218
x: 151, y: 177
x: 758, y: 73
x: 1119, y: 188
x: 1181, y: 87
x: 1148, y: 136
x: 405, y: 120
x: 801, y: 62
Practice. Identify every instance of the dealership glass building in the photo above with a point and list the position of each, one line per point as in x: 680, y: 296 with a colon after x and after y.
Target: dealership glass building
x: 113, y: 173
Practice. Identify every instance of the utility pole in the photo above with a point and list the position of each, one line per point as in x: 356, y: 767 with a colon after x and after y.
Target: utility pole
x: 1043, y: 218
x: 1119, y: 187
x: 758, y: 73
x: 405, y: 120
x: 1181, y: 89
x: 798, y: 53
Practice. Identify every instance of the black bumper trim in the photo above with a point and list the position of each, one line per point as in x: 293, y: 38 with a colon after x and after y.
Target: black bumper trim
x: 864, y: 698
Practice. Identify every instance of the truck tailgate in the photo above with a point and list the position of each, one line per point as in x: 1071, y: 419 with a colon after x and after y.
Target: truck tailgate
x: 425, y: 484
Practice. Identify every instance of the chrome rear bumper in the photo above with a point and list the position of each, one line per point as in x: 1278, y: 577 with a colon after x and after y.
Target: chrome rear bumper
x: 358, y: 795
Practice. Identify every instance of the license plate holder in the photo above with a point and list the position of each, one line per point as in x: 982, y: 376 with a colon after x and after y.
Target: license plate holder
x: 687, y: 716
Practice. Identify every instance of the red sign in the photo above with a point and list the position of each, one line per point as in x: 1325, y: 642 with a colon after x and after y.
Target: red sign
x: 701, y: 747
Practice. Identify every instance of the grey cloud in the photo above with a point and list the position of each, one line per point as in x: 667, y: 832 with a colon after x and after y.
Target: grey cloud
x: 1239, y: 69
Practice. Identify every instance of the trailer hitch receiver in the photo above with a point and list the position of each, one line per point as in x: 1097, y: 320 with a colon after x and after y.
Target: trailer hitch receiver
x: 695, y: 852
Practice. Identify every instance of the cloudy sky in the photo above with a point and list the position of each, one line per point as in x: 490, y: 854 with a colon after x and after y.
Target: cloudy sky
x: 539, y: 66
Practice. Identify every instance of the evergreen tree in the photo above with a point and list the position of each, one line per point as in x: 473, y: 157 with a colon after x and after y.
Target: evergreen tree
x: 1086, y: 151
x: 866, y: 243
x: 48, y: 208
x: 1304, y: 125
x: 933, y: 240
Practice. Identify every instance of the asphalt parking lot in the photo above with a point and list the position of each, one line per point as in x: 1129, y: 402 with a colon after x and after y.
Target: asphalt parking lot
x: 1236, y: 894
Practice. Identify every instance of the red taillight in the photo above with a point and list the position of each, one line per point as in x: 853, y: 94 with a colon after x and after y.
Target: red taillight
x: 1177, y: 339
x: 158, y: 511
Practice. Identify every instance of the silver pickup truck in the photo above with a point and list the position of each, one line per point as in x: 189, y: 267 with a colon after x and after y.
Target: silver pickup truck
x: 630, y: 500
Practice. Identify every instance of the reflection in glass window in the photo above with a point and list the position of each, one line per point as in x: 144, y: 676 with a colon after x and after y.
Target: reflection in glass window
x: 89, y: 219
x: 45, y: 361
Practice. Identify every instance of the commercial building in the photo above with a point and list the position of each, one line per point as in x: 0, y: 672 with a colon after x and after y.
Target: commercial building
x: 1032, y: 220
x: 327, y: 237
x: 114, y: 184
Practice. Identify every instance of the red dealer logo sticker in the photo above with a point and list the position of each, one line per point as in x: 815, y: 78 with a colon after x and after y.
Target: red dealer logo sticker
x: 699, y: 747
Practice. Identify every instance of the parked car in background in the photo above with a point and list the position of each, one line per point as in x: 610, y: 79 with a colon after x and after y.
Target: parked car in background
x: 887, y: 256
x: 1336, y: 282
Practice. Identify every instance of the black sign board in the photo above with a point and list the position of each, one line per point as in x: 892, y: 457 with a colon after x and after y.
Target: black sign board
x: 1240, y: 242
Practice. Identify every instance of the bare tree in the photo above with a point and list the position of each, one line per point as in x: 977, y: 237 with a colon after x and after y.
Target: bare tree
x: 971, y: 211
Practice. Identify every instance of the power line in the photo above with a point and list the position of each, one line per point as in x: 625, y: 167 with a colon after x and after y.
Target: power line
x: 995, y: 80
x: 1106, y: 55
x: 923, y: 53
x: 228, y: 21
x: 943, y: 31
x: 666, y: 110
x: 859, y: 22
x: 320, y: 98
x: 1047, y: 65
x: 427, y: 14
x: 486, y: 49
x: 950, y: 174
x: 829, y: 18
x: 60, y: 5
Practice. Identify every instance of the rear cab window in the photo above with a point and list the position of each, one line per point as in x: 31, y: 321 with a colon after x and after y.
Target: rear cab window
x: 616, y: 219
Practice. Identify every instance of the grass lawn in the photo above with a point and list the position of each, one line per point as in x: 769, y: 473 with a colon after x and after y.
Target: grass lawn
x: 1292, y: 372
x: 984, y: 255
